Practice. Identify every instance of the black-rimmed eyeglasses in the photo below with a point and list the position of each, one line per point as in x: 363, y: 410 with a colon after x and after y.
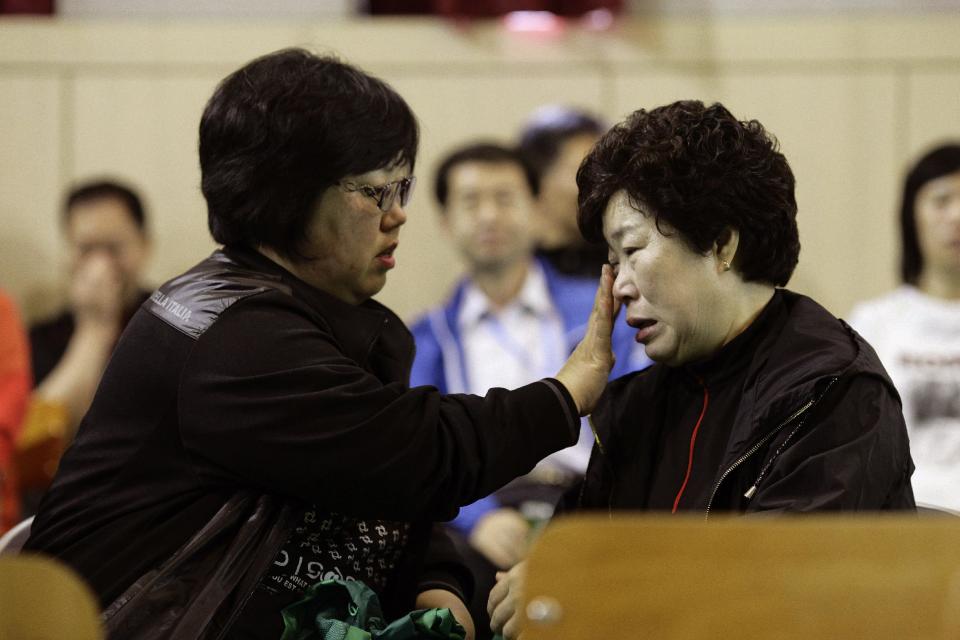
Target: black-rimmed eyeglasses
x: 385, y: 195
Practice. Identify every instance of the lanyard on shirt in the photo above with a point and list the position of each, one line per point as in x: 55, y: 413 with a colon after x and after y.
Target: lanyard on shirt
x: 553, y: 346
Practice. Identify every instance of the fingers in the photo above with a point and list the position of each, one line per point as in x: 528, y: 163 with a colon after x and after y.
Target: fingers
x: 511, y: 630
x: 505, y: 600
x: 97, y: 287
x: 497, y: 595
x: 602, y: 314
x: 585, y: 372
x: 600, y: 324
x: 97, y: 267
x: 502, y: 614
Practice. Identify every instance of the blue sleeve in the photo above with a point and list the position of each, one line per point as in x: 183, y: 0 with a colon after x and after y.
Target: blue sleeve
x: 428, y: 361
x: 471, y: 514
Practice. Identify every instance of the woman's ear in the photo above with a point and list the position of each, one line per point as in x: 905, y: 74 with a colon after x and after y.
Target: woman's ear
x: 725, y: 248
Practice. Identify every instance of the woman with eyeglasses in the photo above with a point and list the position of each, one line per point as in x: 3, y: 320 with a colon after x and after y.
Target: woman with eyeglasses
x: 254, y: 433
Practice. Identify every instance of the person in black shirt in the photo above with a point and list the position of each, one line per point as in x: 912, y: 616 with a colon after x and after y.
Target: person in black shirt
x: 105, y: 224
x: 108, y: 246
x: 759, y: 399
x: 254, y: 432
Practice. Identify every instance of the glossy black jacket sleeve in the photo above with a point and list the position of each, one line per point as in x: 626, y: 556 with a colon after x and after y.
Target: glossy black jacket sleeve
x: 269, y: 401
x: 852, y: 455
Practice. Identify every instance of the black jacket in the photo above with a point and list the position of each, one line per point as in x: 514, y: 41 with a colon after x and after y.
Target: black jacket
x: 819, y: 427
x: 239, y: 394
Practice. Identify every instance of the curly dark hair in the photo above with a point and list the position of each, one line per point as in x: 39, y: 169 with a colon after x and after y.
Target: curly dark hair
x: 936, y: 163
x: 701, y: 171
x: 281, y: 130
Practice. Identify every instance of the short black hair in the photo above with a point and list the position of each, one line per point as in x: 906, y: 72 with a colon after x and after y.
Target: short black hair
x: 92, y: 190
x: 701, y: 171
x: 549, y: 128
x: 281, y: 130
x: 936, y: 163
x: 485, y: 152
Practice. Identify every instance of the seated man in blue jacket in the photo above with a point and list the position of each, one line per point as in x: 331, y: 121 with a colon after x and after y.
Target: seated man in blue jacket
x: 509, y: 320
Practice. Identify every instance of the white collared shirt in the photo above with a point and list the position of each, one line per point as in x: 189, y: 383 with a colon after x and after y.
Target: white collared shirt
x: 516, y: 345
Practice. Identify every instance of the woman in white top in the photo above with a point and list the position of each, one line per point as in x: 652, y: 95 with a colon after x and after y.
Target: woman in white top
x: 916, y: 328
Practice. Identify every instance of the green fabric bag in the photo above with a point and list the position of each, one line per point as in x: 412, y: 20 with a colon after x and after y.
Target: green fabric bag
x: 350, y: 610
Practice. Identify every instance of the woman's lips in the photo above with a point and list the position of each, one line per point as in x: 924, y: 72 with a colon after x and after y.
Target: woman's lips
x: 645, y: 328
x: 386, y: 259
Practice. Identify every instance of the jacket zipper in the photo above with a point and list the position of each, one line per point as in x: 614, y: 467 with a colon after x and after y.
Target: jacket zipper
x: 752, y: 490
x: 596, y: 436
x: 602, y: 462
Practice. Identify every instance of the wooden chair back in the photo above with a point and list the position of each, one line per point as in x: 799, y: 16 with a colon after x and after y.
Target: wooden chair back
x: 877, y: 577
x: 41, y: 599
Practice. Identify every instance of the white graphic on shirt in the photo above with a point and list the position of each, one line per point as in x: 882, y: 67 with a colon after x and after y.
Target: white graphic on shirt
x: 328, y: 545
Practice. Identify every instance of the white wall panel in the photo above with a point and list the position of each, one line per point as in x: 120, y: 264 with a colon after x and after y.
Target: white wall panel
x: 144, y: 130
x: 933, y: 109
x: 30, y: 149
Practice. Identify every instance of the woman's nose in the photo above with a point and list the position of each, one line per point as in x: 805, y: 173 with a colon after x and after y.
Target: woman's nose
x: 623, y: 288
x: 393, y: 217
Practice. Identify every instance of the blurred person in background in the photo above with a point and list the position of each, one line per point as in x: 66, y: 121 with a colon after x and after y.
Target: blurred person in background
x: 105, y: 226
x: 254, y: 442
x: 511, y: 320
x: 15, y: 382
x: 759, y: 400
x: 554, y: 141
x: 916, y: 328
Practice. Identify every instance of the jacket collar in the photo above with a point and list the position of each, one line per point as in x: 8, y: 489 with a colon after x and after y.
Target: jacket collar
x: 533, y: 298
x: 355, y: 327
x: 574, y: 307
x: 737, y: 354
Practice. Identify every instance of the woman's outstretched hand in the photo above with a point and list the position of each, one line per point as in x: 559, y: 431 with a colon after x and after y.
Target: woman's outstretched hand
x: 588, y: 367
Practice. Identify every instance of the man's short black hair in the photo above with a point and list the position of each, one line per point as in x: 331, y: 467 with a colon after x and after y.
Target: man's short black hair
x: 549, y: 128
x: 93, y: 190
x: 936, y: 163
x: 484, y: 152
x: 701, y: 171
x: 281, y: 130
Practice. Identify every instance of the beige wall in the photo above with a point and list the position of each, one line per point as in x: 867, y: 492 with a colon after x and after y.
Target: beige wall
x: 851, y: 100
